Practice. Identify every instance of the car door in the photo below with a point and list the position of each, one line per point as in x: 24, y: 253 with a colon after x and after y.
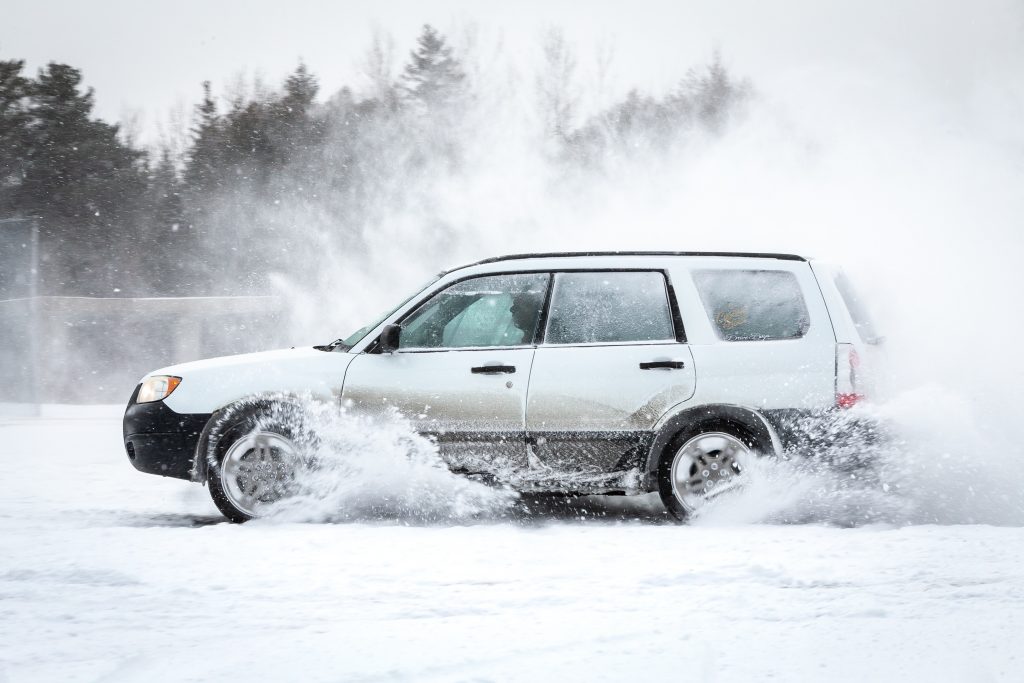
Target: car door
x: 612, y: 361
x: 461, y: 370
x: 761, y: 334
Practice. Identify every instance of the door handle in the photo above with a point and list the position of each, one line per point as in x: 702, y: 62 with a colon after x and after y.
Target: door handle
x: 493, y: 369
x: 668, y: 364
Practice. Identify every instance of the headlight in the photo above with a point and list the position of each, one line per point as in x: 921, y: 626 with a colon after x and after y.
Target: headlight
x: 157, y: 388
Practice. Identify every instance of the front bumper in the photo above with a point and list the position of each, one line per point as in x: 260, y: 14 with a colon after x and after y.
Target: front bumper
x: 159, y: 440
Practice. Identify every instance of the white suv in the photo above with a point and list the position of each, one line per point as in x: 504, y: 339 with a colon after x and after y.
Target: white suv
x: 583, y: 373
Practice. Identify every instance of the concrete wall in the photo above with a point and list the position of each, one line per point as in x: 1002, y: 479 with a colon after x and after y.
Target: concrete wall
x: 91, y: 350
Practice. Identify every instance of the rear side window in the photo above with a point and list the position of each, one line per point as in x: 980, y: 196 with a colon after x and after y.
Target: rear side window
x: 589, y: 308
x: 750, y: 305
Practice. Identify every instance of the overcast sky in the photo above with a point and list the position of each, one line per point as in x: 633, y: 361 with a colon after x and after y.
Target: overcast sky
x: 146, y: 57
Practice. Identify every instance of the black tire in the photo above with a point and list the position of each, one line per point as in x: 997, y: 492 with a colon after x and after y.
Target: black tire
x: 665, y: 489
x: 240, y: 422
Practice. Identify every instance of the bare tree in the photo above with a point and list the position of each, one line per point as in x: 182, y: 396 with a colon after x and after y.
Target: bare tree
x: 556, y: 84
x: 604, y: 57
x: 132, y: 125
x: 173, y: 134
x: 378, y: 66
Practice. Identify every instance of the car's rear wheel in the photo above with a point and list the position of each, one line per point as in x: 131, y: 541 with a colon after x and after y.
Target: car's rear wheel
x: 254, y: 460
x: 702, y: 464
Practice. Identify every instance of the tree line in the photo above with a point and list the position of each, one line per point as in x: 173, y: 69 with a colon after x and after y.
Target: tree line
x: 271, y: 182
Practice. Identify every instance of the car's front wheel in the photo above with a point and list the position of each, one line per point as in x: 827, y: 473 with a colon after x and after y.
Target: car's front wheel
x: 254, y: 460
x: 702, y: 464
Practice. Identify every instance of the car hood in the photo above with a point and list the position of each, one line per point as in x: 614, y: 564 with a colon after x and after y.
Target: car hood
x: 208, y: 385
x: 259, y: 358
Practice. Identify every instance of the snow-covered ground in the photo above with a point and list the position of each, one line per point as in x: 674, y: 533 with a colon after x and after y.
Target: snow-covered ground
x: 107, y: 574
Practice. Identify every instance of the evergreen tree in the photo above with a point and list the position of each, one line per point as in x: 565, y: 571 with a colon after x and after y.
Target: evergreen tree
x: 165, y: 190
x: 248, y: 146
x: 83, y: 182
x: 205, y: 160
x: 274, y: 162
x: 15, y: 133
x: 300, y: 89
x: 171, y: 249
x: 712, y: 93
x: 295, y: 130
x: 432, y: 77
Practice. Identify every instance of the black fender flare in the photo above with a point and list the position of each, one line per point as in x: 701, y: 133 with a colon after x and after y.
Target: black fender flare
x: 200, y: 461
x: 692, y: 417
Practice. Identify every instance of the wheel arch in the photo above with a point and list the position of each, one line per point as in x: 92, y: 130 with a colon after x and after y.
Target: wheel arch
x: 693, y: 417
x: 211, y: 430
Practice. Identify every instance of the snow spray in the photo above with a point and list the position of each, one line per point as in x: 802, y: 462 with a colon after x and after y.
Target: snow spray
x: 914, y: 191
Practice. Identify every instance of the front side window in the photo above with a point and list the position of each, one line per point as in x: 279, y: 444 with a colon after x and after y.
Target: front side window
x: 588, y: 308
x: 753, y: 305
x: 493, y: 310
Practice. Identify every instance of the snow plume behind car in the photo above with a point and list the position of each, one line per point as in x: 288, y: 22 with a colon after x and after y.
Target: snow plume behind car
x: 914, y: 189
x: 929, y: 463
x: 354, y: 468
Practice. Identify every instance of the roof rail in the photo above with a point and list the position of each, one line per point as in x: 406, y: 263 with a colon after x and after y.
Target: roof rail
x: 561, y: 254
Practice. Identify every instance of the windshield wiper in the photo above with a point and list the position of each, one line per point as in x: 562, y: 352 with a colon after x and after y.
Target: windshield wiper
x: 330, y: 347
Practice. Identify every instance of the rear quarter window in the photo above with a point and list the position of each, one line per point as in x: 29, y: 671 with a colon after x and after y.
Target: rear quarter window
x: 753, y: 305
x: 858, y: 312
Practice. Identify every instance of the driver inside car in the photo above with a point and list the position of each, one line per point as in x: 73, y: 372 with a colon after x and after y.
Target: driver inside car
x: 525, y: 310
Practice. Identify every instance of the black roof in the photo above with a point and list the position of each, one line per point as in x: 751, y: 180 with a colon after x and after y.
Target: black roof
x: 558, y: 254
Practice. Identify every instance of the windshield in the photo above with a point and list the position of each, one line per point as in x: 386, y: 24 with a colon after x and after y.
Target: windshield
x: 357, y: 336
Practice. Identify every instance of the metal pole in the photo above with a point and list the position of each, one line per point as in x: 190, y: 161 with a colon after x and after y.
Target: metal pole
x: 33, y: 293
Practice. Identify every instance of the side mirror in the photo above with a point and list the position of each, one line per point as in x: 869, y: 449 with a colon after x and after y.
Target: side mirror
x: 389, y: 338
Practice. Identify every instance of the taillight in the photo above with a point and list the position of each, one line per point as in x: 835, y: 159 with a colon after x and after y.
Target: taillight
x: 847, y: 365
